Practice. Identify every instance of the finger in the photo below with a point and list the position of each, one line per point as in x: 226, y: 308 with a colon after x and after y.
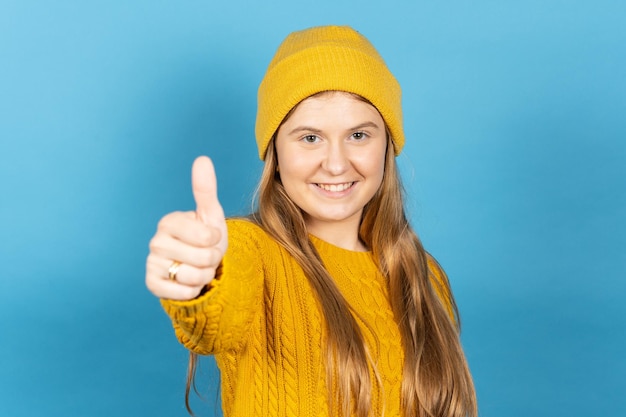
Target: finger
x: 186, y: 274
x: 171, y: 290
x: 204, y: 186
x: 185, y: 227
x: 166, y: 247
x: 166, y: 288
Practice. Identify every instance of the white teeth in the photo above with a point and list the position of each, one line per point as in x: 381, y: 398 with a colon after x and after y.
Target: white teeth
x: 335, y: 187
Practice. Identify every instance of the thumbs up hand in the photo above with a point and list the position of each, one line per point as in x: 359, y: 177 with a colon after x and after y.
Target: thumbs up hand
x: 188, y: 247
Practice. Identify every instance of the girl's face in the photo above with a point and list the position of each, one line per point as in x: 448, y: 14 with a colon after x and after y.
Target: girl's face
x: 331, y: 158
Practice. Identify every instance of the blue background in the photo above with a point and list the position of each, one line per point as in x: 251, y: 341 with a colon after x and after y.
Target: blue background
x: 515, y: 166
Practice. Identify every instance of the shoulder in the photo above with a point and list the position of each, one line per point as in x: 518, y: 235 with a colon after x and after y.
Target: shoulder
x: 243, y: 225
x: 245, y: 233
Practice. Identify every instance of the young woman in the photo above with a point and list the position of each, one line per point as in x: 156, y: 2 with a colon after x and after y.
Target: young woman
x: 323, y: 302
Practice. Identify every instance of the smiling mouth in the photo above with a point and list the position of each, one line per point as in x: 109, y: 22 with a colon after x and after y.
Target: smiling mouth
x: 335, y: 188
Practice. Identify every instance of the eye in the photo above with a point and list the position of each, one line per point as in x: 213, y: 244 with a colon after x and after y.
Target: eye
x: 310, y: 139
x: 359, y: 135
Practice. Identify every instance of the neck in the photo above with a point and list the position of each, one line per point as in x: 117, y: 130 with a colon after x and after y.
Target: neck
x: 341, y: 234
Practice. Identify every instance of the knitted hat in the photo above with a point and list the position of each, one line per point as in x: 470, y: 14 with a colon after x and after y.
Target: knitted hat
x: 322, y: 59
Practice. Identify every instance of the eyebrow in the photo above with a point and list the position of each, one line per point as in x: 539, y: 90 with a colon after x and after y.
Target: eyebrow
x: 318, y: 131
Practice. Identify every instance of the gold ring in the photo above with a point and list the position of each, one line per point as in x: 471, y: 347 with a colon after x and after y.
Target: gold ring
x: 173, y: 270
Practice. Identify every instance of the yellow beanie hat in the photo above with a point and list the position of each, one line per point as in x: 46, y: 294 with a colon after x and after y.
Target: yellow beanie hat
x: 322, y: 59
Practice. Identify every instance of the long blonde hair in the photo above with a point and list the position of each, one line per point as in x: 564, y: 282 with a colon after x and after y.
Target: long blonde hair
x: 436, y: 381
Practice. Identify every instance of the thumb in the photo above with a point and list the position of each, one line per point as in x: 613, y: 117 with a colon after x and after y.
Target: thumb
x: 204, y: 186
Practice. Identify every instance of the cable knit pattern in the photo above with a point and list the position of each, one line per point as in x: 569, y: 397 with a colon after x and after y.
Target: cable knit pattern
x: 262, y: 322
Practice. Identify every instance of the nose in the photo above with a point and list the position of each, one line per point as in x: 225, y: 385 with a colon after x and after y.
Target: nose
x: 336, y: 160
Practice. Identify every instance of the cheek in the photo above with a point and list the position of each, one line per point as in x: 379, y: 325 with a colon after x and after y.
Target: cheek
x: 381, y: 160
x: 292, y: 174
x: 374, y: 169
x: 294, y: 165
x: 372, y: 165
x: 285, y: 156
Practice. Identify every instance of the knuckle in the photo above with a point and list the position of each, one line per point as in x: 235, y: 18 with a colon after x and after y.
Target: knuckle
x: 208, y: 236
x: 212, y: 257
x: 166, y: 220
x: 196, y: 277
x: 151, y: 260
x: 203, y: 258
x: 216, y: 235
x: 204, y: 236
x: 217, y: 256
x: 190, y: 292
x: 156, y: 243
x: 153, y: 269
x: 153, y: 243
x: 210, y: 274
x: 151, y: 285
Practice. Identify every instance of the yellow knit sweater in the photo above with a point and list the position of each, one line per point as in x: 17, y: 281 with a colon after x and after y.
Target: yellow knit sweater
x: 262, y: 322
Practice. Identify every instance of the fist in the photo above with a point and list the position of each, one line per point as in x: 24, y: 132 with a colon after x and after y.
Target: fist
x: 188, y: 247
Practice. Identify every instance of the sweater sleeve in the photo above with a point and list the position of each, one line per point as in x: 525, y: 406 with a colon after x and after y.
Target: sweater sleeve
x: 219, y: 319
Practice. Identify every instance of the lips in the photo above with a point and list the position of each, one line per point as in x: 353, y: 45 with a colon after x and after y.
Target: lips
x: 335, y: 188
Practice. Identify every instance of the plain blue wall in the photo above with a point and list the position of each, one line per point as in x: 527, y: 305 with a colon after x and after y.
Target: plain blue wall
x: 514, y: 165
